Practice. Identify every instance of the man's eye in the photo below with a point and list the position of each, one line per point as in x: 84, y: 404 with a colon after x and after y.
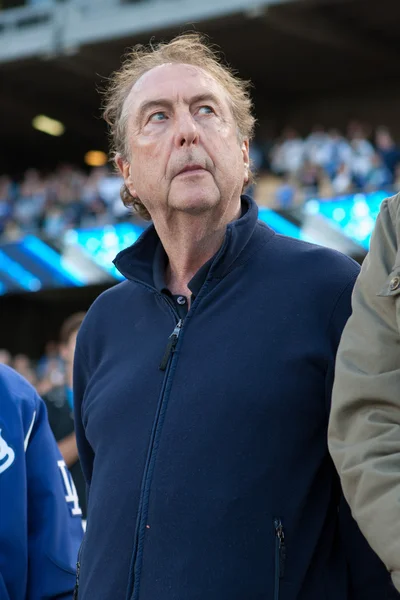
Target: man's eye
x: 158, y: 116
x: 207, y: 110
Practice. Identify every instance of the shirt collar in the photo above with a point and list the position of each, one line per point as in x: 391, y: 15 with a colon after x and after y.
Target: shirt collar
x: 160, y: 262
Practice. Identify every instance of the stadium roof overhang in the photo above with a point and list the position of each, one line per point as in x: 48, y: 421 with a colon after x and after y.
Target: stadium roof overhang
x: 287, y: 48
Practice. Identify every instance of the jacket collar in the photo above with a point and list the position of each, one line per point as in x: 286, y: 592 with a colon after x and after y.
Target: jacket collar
x: 136, y: 261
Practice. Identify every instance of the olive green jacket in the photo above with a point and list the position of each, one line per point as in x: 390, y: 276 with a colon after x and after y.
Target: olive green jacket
x: 364, y: 430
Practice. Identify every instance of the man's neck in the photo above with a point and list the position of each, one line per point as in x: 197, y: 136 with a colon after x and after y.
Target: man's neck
x: 190, y: 241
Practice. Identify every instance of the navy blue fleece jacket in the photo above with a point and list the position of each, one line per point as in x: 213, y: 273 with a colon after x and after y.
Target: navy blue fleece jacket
x: 210, y: 478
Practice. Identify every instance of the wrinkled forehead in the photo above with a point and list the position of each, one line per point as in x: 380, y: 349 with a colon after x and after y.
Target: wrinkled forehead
x: 175, y: 82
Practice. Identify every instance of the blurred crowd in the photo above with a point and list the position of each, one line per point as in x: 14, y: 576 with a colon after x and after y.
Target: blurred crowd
x: 48, y: 372
x: 291, y: 169
x: 326, y: 163
x: 55, y: 202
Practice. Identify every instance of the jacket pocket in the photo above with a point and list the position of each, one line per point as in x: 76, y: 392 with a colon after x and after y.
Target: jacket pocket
x: 280, y: 555
x: 391, y: 287
x: 391, y: 291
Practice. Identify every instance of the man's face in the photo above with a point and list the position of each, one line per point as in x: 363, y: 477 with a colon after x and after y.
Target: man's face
x: 185, y: 153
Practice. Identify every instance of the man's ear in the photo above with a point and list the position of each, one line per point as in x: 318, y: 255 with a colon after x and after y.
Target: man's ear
x: 246, y: 160
x: 124, y: 168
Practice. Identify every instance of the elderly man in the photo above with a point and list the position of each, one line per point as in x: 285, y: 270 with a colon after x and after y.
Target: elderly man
x: 364, y: 431
x: 202, y: 383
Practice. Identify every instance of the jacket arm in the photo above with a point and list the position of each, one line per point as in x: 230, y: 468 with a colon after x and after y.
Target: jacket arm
x: 364, y: 430
x: 54, y: 517
x: 81, y: 379
x: 367, y: 575
x: 4, y: 595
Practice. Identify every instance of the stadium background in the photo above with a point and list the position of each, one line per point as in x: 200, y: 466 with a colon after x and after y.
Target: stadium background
x: 316, y: 65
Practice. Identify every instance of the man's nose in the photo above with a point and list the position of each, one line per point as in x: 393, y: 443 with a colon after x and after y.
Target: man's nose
x: 186, y: 130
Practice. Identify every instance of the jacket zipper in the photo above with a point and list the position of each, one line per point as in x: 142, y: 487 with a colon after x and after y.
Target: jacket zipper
x: 164, y: 366
x: 76, y: 587
x: 78, y: 569
x: 280, y: 555
x: 170, y: 349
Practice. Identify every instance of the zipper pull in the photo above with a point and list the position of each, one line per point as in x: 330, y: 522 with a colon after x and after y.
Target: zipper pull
x: 76, y: 587
x: 172, y: 341
x: 280, y: 534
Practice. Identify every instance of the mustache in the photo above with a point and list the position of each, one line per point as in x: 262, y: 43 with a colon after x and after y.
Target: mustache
x: 191, y: 159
